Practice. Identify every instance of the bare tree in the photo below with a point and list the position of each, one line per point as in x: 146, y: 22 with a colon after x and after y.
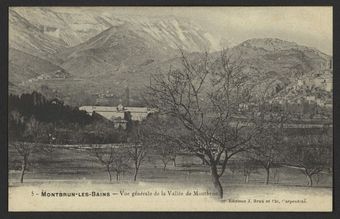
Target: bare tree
x: 137, y: 155
x: 249, y: 166
x: 311, y: 154
x: 102, y: 136
x: 120, y: 163
x: 105, y: 156
x: 33, y: 134
x: 161, y: 133
x: 113, y: 158
x: 205, y: 98
x: 173, y: 157
x: 166, y: 154
x: 268, y: 145
x: 138, y: 148
x: 24, y: 149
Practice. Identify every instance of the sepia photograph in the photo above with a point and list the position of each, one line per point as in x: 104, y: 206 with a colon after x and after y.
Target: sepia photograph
x: 170, y: 109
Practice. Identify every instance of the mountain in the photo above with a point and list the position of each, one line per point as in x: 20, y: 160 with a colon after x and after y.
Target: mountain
x: 118, y: 58
x: 29, y: 38
x: 68, y: 28
x: 280, y: 62
x: 98, y: 48
x: 116, y: 49
x: 72, y: 29
x: 24, y: 67
x: 100, y: 55
x: 268, y: 61
x: 170, y: 32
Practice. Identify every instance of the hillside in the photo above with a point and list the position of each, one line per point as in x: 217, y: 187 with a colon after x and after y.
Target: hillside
x: 279, y: 62
x: 98, y: 50
x: 113, y: 51
x: 71, y: 29
x: 118, y: 58
x: 26, y: 37
x: 23, y: 67
x: 101, y: 55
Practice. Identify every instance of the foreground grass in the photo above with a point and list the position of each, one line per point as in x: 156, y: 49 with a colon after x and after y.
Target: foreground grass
x: 68, y: 171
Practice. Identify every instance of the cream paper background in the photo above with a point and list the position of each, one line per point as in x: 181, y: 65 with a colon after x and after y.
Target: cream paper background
x: 310, y: 26
x: 21, y: 199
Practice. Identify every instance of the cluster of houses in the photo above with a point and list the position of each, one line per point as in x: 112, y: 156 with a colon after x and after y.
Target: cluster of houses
x: 303, y: 106
x: 311, y: 94
x: 322, y: 82
x: 58, y: 74
x: 52, y: 31
x: 117, y: 114
x: 322, y: 79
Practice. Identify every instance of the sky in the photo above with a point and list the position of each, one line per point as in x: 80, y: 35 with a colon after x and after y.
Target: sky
x: 309, y: 26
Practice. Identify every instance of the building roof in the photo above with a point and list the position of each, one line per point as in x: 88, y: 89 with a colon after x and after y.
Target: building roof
x: 115, y: 109
x: 112, y: 112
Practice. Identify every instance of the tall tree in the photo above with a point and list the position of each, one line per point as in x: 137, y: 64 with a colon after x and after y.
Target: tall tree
x: 204, y: 98
x: 138, y: 147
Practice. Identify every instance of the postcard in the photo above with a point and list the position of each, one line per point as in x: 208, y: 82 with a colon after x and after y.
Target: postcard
x: 170, y: 109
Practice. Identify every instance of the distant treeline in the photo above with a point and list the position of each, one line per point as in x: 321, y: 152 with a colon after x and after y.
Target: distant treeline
x: 32, y: 117
x: 44, y: 110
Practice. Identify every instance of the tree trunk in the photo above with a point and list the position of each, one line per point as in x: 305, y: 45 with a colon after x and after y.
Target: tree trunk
x: 117, y: 176
x: 23, y: 169
x: 164, y: 167
x: 267, y: 176
x: 310, y: 180
x: 135, y: 175
x: 109, y: 173
x: 276, y: 176
x: 246, y: 178
x: 216, y: 181
x: 174, y: 162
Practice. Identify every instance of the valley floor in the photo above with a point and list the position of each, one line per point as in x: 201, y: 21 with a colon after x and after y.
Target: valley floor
x: 74, y: 181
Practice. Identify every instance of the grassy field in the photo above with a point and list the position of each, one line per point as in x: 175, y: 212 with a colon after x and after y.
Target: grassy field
x: 78, y: 171
x: 64, y: 164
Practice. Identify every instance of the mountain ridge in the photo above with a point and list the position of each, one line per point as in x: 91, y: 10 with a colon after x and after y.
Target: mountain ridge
x: 127, y: 51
